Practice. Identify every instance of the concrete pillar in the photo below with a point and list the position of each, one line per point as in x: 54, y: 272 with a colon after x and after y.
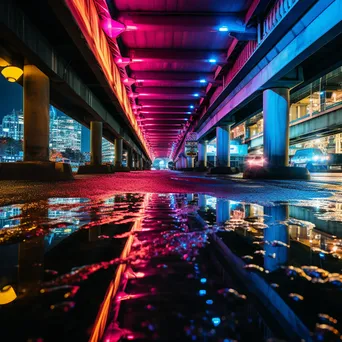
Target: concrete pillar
x: 96, y: 142
x: 36, y: 114
x: 118, y: 143
x: 135, y: 159
x: 222, y: 210
x: 276, y: 255
x: 190, y: 162
x: 183, y: 162
x: 223, y: 146
x: 202, y: 154
x: 276, y: 103
x: 141, y: 163
x: 129, y: 158
x: 202, y: 201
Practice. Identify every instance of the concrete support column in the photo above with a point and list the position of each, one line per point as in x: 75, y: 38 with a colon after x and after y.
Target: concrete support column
x: 118, y: 143
x: 96, y: 142
x: 135, y: 159
x: 202, y: 154
x: 276, y: 103
x: 223, y: 146
x: 130, y: 158
x: 276, y: 256
x: 183, y: 162
x: 222, y: 210
x: 202, y: 201
x: 36, y: 114
x: 141, y: 163
x: 190, y: 161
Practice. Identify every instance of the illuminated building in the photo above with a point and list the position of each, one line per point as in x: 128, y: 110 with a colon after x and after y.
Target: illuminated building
x: 13, y: 125
x: 107, y: 151
x: 64, y: 132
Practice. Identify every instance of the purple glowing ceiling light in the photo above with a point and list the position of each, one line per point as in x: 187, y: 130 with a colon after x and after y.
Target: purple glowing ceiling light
x: 122, y: 61
x: 112, y: 28
x: 128, y: 81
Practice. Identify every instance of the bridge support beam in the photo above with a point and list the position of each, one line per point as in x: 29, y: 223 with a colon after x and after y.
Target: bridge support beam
x: 276, y: 106
x: 135, y: 160
x: 36, y: 164
x: 36, y: 114
x: 95, y: 152
x: 96, y: 143
x: 202, y: 156
x: 118, y: 146
x: 190, y: 162
x: 130, y: 158
x: 277, y: 256
x: 222, y: 210
x: 223, y: 152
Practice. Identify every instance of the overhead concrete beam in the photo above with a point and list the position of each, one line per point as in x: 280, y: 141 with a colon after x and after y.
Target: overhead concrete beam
x: 201, y: 23
x: 318, y: 26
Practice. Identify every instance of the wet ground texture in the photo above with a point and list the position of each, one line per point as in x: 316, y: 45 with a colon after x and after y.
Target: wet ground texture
x: 233, y: 261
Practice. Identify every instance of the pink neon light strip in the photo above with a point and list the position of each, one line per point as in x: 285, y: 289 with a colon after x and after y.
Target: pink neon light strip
x: 87, y: 17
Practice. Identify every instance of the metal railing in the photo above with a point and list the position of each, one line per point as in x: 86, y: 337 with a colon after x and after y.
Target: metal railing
x: 272, y: 19
x: 244, y: 56
x: 275, y: 15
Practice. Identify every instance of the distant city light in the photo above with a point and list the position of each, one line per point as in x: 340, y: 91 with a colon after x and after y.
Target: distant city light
x: 223, y: 29
x: 210, y: 302
x: 203, y: 81
x: 202, y: 292
x: 196, y: 95
x: 192, y: 107
x: 203, y: 280
x: 212, y: 60
x: 216, y: 321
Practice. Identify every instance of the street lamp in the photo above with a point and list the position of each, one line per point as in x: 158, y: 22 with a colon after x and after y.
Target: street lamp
x: 12, y: 73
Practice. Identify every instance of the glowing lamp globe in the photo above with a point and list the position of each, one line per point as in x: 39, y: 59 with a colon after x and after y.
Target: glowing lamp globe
x: 7, y: 295
x: 12, y: 73
x: 112, y: 28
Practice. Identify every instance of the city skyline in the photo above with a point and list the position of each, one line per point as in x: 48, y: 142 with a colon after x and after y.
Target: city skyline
x: 11, y: 99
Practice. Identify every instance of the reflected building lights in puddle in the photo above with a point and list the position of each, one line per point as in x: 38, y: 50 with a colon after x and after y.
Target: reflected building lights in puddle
x: 177, y: 226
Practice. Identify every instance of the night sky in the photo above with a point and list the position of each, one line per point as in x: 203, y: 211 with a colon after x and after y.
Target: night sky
x: 11, y: 97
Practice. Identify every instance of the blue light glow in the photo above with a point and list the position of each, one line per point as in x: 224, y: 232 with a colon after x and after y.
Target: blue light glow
x: 216, y: 321
x: 196, y: 94
x: 212, y: 60
x: 202, y: 292
x: 203, y: 81
x: 223, y: 29
x: 203, y: 280
x: 209, y: 302
x: 192, y: 107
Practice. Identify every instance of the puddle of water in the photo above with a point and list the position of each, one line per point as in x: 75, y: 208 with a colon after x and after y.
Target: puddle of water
x: 296, y: 247
x: 57, y: 252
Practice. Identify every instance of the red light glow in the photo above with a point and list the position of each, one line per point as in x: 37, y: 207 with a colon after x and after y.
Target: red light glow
x: 87, y: 16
